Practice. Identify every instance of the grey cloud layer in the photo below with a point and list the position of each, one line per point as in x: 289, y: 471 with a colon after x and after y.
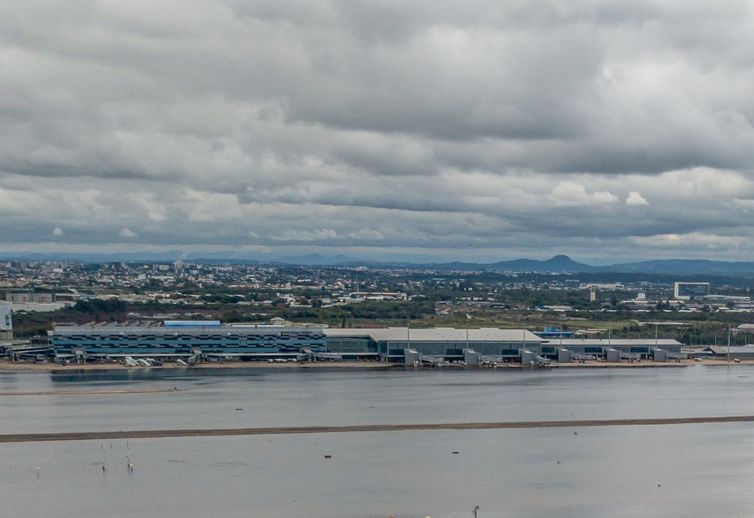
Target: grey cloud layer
x: 587, y: 127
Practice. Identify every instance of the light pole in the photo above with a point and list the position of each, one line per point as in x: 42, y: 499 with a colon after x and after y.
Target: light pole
x: 657, y: 326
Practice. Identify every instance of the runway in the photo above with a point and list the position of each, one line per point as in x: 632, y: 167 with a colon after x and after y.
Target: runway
x: 111, y: 392
x: 288, y: 430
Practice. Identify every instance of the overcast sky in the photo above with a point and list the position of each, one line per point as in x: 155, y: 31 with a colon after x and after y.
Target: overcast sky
x: 474, y: 130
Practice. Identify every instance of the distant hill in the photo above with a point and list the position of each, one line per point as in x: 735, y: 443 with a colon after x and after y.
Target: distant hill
x: 684, y: 267
x: 557, y: 264
x: 564, y: 264
x: 318, y: 260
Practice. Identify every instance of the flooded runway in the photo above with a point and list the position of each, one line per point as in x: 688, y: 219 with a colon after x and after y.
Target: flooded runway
x: 325, y: 444
x: 290, y: 430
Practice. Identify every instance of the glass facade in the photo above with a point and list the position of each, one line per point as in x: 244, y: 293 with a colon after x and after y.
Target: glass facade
x: 185, y: 342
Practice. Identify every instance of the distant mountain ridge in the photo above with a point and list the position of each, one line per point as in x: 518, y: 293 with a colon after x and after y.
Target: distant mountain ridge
x: 564, y: 264
x: 555, y: 264
x: 318, y: 260
x: 684, y: 267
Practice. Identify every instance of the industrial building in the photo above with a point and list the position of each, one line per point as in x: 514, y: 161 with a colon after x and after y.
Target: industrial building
x: 734, y: 352
x: 185, y: 339
x: 25, y: 297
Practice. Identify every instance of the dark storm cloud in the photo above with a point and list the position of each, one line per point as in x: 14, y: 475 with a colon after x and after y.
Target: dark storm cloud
x: 506, y: 128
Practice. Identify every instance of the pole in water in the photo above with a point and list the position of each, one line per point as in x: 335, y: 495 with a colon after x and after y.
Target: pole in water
x: 37, y: 468
x: 476, y: 511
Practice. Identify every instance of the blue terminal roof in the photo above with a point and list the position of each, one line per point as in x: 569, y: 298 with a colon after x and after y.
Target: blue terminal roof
x: 192, y: 323
x: 549, y: 334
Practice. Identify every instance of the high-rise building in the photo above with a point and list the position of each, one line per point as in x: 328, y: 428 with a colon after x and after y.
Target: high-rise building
x: 690, y: 290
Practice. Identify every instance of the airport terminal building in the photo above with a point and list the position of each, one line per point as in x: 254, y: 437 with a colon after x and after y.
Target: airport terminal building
x: 390, y: 344
x: 212, y: 339
x: 636, y: 347
x: 178, y: 338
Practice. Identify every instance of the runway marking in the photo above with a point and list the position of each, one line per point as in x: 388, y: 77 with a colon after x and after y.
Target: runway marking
x: 289, y: 430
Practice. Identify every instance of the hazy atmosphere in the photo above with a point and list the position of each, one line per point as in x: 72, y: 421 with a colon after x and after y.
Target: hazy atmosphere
x: 474, y: 130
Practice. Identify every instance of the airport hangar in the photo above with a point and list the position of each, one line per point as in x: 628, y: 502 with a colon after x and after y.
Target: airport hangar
x: 183, y: 339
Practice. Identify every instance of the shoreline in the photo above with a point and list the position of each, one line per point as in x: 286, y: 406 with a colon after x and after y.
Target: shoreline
x: 12, y: 367
x: 23, y: 367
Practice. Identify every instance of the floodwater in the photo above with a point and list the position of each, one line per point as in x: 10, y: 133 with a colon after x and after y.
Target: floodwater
x: 676, y: 470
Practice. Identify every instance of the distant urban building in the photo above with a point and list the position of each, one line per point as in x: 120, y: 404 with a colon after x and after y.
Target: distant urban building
x: 555, y: 308
x: 554, y: 332
x: 38, y: 307
x: 25, y: 297
x: 690, y: 290
x: 6, y: 321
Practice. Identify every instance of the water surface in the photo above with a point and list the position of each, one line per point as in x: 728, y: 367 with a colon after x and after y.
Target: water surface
x: 683, y: 470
